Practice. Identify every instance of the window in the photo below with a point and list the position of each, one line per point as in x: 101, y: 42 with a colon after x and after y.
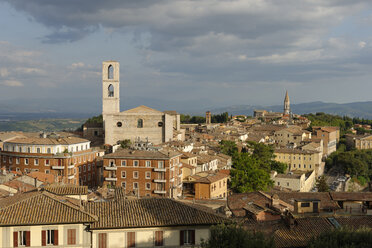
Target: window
x: 71, y: 236
x: 4, y: 159
x: 135, y: 163
x: 26, y: 161
x: 123, y: 184
x: 140, y: 123
x: 135, y: 174
x: 159, y: 238
x: 187, y: 237
x: 10, y: 160
x: 38, y: 150
x: 287, y: 184
x: 88, y: 177
x: 111, y: 91
x: 49, y: 150
x: 160, y: 124
x: 160, y: 164
x: 131, y: 239
x: 148, y: 163
x: 21, y: 238
x: 47, y: 162
x: 119, y: 124
x: 47, y: 171
x: 49, y: 237
x: 278, y: 183
x: 36, y: 161
x: 123, y: 162
x: 110, y: 72
x: 84, y: 168
x: 135, y: 185
x: 310, y: 166
x: 18, y: 169
x: 102, y: 240
x: 89, y: 167
x: 123, y: 174
x: 148, y: 174
x: 29, y: 149
x: 20, y: 149
x: 148, y: 186
x: 305, y: 204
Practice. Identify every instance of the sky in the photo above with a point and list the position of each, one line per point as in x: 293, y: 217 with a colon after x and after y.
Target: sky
x: 186, y: 54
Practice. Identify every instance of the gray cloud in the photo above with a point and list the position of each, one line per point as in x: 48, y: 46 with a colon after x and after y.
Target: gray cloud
x: 227, y: 45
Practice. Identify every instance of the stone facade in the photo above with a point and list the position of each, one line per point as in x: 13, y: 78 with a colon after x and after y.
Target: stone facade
x: 142, y: 123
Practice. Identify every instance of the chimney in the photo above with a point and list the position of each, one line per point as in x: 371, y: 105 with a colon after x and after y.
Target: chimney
x: 274, y: 200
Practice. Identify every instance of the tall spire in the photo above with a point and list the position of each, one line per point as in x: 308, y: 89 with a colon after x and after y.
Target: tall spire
x: 287, y: 108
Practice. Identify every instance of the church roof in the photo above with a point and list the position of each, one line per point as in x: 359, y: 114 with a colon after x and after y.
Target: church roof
x: 142, y: 109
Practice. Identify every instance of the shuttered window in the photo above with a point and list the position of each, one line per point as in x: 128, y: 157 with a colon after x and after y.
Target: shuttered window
x: 131, y: 239
x: 159, y: 238
x: 102, y: 240
x: 71, y: 236
x: 187, y: 237
x: 49, y: 237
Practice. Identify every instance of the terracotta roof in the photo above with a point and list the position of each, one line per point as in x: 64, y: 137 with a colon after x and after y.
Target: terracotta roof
x: 303, y: 230
x: 41, y: 176
x: 148, y: 212
x: 126, y: 153
x: 294, y: 151
x: 67, y: 189
x: 328, y: 129
x: 36, y: 208
x: 48, y: 141
x: 185, y: 165
x: 20, y: 186
x: 208, y: 177
x: 142, y: 109
x: 351, y: 196
x: 325, y: 199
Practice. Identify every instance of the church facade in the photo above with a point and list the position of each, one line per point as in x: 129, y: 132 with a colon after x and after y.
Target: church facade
x: 140, y: 123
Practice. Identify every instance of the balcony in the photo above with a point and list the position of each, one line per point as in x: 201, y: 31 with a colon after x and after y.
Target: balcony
x: 171, y: 180
x: 160, y: 180
x: 71, y: 177
x: 111, y: 168
x: 71, y: 166
x: 160, y: 169
x: 160, y: 191
x: 111, y: 179
x: 58, y: 167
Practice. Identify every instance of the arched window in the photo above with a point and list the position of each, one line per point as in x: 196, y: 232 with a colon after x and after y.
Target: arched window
x: 111, y: 90
x: 110, y: 72
x: 140, y: 123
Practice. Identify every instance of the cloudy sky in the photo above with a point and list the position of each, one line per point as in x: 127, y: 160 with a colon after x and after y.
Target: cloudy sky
x: 193, y: 53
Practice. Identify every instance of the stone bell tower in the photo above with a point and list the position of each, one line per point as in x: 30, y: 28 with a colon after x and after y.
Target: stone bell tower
x: 287, y: 108
x: 110, y: 88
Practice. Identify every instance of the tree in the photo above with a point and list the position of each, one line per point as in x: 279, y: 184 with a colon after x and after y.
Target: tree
x: 248, y: 175
x: 343, y: 238
x: 228, y: 147
x: 321, y: 184
x: 233, y: 235
x: 125, y: 143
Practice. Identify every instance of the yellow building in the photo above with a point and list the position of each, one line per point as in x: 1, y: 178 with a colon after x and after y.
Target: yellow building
x: 295, y: 181
x: 206, y: 185
x: 300, y: 160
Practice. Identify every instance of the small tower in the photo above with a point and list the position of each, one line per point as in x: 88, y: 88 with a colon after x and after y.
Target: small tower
x: 208, y: 117
x: 110, y: 88
x: 287, y: 108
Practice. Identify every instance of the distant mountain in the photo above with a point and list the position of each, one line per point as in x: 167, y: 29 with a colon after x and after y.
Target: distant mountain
x: 355, y: 109
x: 69, y: 107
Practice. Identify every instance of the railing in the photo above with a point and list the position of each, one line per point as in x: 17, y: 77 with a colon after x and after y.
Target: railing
x: 111, y: 168
x: 111, y: 179
x: 160, y: 169
x: 71, y: 166
x: 160, y: 191
x: 58, y: 167
x: 160, y: 180
x: 71, y: 176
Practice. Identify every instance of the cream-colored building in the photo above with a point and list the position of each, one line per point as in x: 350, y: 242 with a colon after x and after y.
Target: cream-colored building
x: 296, y: 180
x: 300, y: 160
x: 39, y: 218
x: 291, y: 135
x: 360, y: 142
x: 142, y: 122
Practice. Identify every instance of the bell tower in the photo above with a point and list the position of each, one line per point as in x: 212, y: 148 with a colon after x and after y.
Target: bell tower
x: 110, y: 88
x: 287, y: 108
